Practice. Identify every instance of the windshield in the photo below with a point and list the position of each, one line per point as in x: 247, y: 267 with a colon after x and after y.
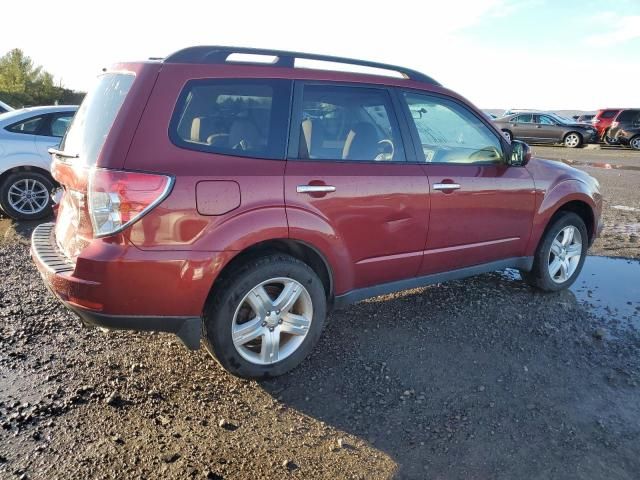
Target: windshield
x: 92, y: 122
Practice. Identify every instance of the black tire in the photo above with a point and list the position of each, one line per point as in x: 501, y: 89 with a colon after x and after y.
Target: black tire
x: 634, y: 143
x: 607, y: 139
x: 565, y: 140
x: 16, y: 178
x: 539, y: 276
x: 221, y: 308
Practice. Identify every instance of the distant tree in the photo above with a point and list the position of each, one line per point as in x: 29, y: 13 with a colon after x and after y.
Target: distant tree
x: 22, y: 83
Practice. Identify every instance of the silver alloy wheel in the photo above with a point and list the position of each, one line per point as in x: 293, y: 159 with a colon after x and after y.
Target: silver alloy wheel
x: 565, y: 253
x: 507, y: 135
x: 572, y: 140
x: 272, y: 321
x: 28, y: 196
x: 635, y: 143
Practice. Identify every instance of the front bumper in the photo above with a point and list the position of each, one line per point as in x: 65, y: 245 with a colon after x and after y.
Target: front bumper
x: 103, y: 301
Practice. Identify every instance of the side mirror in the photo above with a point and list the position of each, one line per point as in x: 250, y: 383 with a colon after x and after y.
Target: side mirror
x: 520, y: 154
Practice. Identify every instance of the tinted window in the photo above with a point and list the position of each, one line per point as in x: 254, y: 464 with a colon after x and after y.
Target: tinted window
x: 449, y: 133
x: 545, y: 120
x: 628, y: 115
x: 234, y: 117
x: 30, y: 126
x: 348, y: 123
x: 526, y: 118
x: 609, y: 114
x: 93, y: 120
x: 60, y: 124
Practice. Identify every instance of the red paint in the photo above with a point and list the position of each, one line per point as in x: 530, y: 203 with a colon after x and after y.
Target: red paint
x: 383, y: 222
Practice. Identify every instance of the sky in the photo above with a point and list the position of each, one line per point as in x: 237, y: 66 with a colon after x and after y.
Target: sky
x: 544, y: 54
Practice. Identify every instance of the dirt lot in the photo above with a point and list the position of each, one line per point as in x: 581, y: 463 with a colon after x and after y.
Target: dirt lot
x: 482, y: 378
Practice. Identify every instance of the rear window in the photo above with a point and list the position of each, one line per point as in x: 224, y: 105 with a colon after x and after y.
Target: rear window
x: 609, y: 114
x: 234, y: 117
x: 94, y: 118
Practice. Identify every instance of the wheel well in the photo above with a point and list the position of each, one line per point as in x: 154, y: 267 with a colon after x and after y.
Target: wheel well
x: 583, y: 210
x: 29, y: 168
x: 300, y: 250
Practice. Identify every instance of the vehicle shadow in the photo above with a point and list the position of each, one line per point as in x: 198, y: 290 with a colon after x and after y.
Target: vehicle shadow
x: 481, y: 378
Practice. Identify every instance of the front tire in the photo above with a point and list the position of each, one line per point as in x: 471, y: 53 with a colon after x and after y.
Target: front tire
x: 635, y: 142
x: 26, y: 195
x: 560, y: 254
x: 572, y: 140
x: 266, y: 317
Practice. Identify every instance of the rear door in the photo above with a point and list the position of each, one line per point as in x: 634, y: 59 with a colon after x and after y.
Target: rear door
x: 523, y: 127
x: 481, y: 208
x: 348, y: 186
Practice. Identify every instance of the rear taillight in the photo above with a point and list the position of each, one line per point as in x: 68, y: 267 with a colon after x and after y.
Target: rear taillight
x: 117, y: 198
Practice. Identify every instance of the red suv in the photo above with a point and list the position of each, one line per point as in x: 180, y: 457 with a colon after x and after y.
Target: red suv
x: 240, y: 201
x: 602, y: 122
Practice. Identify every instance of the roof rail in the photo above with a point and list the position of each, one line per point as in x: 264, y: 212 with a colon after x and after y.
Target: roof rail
x: 219, y: 55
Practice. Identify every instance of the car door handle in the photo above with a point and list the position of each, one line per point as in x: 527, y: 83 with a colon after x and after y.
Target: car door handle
x: 446, y: 186
x: 315, y: 188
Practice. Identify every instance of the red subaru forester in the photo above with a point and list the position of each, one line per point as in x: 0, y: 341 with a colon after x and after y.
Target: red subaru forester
x: 213, y: 194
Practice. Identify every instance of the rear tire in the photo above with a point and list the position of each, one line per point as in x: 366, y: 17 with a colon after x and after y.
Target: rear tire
x: 556, y: 264
x: 26, y: 195
x: 635, y: 142
x: 249, y: 323
x: 608, y: 140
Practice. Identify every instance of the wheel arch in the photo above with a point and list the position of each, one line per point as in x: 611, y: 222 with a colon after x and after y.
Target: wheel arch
x: 26, y: 168
x: 298, y: 249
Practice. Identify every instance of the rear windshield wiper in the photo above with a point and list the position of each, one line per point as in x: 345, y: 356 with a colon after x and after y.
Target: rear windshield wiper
x: 60, y: 153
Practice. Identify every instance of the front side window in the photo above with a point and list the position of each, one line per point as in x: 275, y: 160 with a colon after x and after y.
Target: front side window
x: 60, y: 124
x: 234, y: 117
x: 449, y: 133
x: 542, y: 120
x: 348, y: 123
x: 30, y: 126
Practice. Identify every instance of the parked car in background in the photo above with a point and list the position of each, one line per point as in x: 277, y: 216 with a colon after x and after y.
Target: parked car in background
x: 511, y: 111
x: 266, y: 194
x: 627, y: 118
x: 5, y: 108
x: 602, y: 121
x: 25, y: 138
x: 629, y: 136
x: 546, y: 128
x: 585, y: 118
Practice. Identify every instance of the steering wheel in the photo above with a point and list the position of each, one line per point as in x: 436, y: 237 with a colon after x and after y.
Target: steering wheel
x: 382, y: 155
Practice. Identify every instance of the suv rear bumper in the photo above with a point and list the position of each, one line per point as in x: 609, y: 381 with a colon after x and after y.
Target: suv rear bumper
x: 122, y: 287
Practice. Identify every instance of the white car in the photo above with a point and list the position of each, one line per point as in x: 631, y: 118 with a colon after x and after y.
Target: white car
x: 25, y: 138
x: 5, y: 108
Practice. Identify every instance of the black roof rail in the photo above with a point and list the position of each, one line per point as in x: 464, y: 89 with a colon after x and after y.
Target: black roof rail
x: 219, y: 54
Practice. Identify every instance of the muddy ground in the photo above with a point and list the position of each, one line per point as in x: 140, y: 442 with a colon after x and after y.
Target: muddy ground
x: 482, y: 378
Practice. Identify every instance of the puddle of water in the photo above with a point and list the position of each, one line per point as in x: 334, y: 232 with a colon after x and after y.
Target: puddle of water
x: 606, y: 166
x: 611, y: 287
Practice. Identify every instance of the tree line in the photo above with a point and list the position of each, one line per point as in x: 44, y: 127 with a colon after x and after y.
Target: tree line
x: 24, y: 84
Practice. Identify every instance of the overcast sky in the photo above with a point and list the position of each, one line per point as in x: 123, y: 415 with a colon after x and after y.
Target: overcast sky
x: 546, y: 54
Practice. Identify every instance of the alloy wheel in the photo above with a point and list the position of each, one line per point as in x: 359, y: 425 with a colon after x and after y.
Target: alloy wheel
x: 28, y: 196
x: 635, y: 143
x: 572, y: 140
x: 272, y: 321
x: 565, y: 253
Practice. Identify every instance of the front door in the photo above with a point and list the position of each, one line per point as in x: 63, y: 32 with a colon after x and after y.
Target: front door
x: 523, y: 127
x: 349, y: 187
x: 481, y: 208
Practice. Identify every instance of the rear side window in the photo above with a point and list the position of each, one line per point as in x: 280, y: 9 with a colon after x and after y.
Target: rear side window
x: 526, y: 118
x: 234, y: 117
x: 60, y: 124
x: 30, y: 126
x: 93, y: 120
x: 609, y: 114
x: 628, y: 115
x: 348, y: 123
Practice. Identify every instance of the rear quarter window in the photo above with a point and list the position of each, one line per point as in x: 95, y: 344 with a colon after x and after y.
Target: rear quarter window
x: 609, y: 114
x: 240, y: 117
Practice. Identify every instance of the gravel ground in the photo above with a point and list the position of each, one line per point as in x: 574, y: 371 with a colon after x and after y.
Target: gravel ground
x: 482, y: 378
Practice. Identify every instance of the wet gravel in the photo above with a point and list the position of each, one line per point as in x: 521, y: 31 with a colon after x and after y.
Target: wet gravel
x: 481, y: 378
